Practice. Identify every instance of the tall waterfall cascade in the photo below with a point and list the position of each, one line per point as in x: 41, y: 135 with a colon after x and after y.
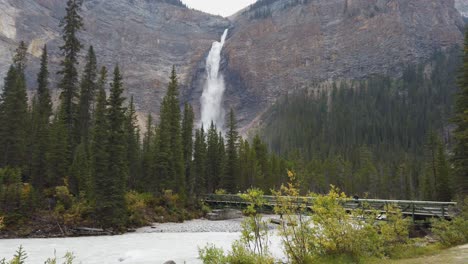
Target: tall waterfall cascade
x: 213, y: 91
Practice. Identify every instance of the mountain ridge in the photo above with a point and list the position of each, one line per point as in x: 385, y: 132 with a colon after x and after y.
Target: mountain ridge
x: 266, y: 54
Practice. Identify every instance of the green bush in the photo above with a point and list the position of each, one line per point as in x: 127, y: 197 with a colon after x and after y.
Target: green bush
x: 21, y: 256
x: 210, y: 254
x: 140, y: 208
x: 451, y: 233
x: 454, y: 232
x: 239, y: 255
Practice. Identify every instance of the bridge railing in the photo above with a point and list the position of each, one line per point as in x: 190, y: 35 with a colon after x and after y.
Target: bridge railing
x: 422, y: 209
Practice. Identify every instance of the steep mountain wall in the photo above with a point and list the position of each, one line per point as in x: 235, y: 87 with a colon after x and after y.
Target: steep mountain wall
x: 273, y: 47
x: 289, y: 44
x: 146, y: 37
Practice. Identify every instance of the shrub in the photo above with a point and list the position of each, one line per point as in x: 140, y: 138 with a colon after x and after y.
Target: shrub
x: 451, y: 233
x: 210, y: 254
x: 296, y: 227
x: 140, y: 208
x: 254, y: 230
x: 239, y: 255
x: 21, y: 256
x: 220, y: 192
x: 330, y: 231
x: 454, y: 232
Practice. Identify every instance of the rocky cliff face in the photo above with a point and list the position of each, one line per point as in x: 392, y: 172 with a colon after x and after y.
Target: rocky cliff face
x: 272, y: 48
x: 288, y: 44
x: 146, y: 37
x: 462, y: 6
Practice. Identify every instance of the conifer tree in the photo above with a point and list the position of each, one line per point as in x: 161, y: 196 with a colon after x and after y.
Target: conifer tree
x: 14, y: 113
x: 71, y: 24
x: 212, y: 159
x: 170, y: 160
x: 220, y: 162
x: 132, y: 134
x: 148, y: 181
x: 98, y: 152
x: 232, y: 158
x: 460, y: 151
x: 442, y: 186
x: 115, y: 177
x: 79, y: 181
x: 57, y: 162
x: 198, y: 183
x: 42, y: 111
x: 187, y: 141
x: 87, y: 94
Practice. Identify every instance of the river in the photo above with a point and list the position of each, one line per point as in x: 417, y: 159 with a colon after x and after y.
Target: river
x: 157, y: 244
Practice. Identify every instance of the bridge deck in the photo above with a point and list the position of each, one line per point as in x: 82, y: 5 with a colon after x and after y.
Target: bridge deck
x: 416, y: 209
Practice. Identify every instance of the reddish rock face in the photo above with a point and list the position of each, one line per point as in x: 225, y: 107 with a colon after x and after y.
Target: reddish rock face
x: 269, y: 51
x: 292, y: 47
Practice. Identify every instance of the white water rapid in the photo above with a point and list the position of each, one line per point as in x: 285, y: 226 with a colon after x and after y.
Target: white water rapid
x: 212, y: 97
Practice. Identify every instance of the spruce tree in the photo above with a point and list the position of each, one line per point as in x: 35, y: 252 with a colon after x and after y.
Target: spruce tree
x: 460, y: 151
x: 98, y: 153
x: 170, y: 160
x: 14, y: 113
x: 132, y: 134
x: 232, y: 157
x: 42, y: 111
x: 148, y: 182
x: 220, y: 162
x: 198, y: 182
x: 187, y: 140
x: 57, y: 162
x: 117, y: 171
x: 212, y: 159
x: 442, y: 185
x: 79, y: 180
x: 87, y: 94
x: 71, y: 24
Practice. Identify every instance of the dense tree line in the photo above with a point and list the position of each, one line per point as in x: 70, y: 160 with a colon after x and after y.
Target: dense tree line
x: 88, y: 150
x: 388, y: 138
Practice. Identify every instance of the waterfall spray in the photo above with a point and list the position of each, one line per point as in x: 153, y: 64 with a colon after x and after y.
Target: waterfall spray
x: 212, y: 97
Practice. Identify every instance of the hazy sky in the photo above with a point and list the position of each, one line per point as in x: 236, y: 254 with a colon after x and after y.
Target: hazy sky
x: 218, y: 7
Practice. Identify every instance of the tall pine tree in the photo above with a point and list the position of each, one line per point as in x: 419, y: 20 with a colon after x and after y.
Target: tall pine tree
x: 230, y: 181
x: 14, y: 113
x: 71, y: 24
x: 170, y: 160
x: 460, y: 152
x: 87, y: 94
x: 42, y: 111
x: 187, y: 141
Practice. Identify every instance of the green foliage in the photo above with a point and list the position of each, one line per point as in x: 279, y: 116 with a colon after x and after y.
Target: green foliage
x: 14, y: 113
x: 110, y: 204
x: 169, y: 158
x: 21, y: 256
x: 86, y: 97
x: 254, y: 235
x: 365, y: 136
x: 239, y: 254
x: 210, y: 254
x: 68, y: 259
x: 228, y: 182
x: 453, y: 232
x: 460, y: 151
x: 71, y: 25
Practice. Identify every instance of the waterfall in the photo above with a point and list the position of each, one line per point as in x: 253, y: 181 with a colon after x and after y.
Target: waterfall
x: 212, y: 97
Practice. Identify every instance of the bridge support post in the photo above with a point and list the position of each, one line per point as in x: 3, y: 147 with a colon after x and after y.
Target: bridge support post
x: 412, y: 213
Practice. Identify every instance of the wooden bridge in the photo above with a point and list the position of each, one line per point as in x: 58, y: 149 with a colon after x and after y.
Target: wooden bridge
x: 417, y: 210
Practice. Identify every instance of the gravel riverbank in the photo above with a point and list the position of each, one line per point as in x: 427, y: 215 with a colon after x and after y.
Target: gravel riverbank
x: 201, y: 226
